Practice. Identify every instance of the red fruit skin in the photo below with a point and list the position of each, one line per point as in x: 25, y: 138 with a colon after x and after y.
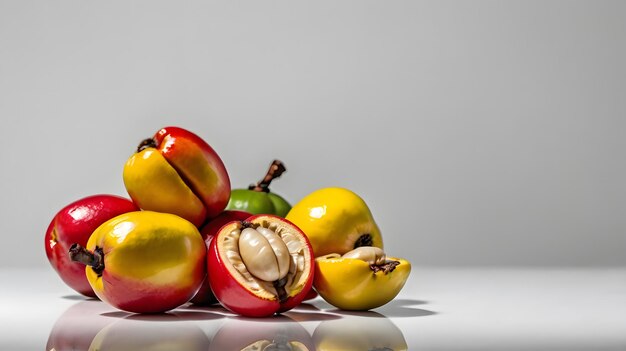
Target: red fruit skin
x: 311, y: 295
x: 205, y: 296
x: 237, y: 298
x: 139, y: 297
x: 178, y: 146
x: 210, y: 229
x: 74, y: 224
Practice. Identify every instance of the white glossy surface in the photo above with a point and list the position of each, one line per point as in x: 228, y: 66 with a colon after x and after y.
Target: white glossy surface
x: 439, y: 309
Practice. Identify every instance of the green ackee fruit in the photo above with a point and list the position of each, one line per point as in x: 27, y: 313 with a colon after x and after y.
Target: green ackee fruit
x: 258, y: 199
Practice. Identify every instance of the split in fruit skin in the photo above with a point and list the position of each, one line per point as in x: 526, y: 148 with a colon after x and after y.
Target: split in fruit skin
x: 177, y: 172
x: 374, y: 256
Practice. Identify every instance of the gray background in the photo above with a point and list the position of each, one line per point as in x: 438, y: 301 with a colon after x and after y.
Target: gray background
x: 480, y: 133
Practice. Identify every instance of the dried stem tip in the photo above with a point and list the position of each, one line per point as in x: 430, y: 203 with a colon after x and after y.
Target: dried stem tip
x: 276, y: 169
x: 81, y: 255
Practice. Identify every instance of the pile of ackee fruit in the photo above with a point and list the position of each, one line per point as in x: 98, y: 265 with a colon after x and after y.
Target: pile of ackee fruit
x: 184, y: 235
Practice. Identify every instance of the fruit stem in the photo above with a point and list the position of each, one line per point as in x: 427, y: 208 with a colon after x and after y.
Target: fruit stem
x: 81, y: 255
x: 276, y: 169
x: 279, y: 285
x: 146, y: 143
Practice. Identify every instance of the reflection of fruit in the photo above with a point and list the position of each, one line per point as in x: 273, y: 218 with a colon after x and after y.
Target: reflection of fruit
x: 260, y: 266
x: 78, y: 325
x: 362, y: 279
x: 74, y: 224
x: 178, y: 172
x: 359, y: 333
x: 205, y: 296
x: 336, y: 220
x: 145, y: 335
x: 144, y: 261
x: 258, y: 199
x: 279, y: 333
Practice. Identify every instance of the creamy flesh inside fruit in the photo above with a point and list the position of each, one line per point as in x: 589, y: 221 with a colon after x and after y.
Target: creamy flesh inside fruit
x: 267, y: 258
x: 370, y: 254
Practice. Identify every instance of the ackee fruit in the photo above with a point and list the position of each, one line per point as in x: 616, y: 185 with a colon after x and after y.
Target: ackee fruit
x: 144, y: 262
x: 361, y: 279
x: 258, y: 199
x: 177, y: 172
x: 74, y: 223
x: 260, y: 266
x: 336, y: 220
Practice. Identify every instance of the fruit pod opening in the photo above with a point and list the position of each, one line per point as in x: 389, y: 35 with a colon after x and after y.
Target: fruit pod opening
x: 266, y: 260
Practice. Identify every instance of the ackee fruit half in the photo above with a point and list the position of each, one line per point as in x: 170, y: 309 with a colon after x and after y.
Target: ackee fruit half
x: 144, y: 262
x: 336, y: 220
x: 361, y: 279
x: 260, y: 266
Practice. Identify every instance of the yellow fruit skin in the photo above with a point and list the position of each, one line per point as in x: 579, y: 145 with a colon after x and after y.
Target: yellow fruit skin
x: 334, y: 219
x: 350, y: 284
x: 153, y: 261
x: 155, y: 185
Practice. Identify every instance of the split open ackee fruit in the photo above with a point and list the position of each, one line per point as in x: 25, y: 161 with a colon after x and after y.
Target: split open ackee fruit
x: 258, y: 199
x: 144, y: 262
x: 260, y: 266
x: 177, y: 172
x: 336, y: 220
x: 361, y: 279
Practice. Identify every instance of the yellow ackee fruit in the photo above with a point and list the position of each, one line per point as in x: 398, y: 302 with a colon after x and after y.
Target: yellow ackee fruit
x: 336, y: 220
